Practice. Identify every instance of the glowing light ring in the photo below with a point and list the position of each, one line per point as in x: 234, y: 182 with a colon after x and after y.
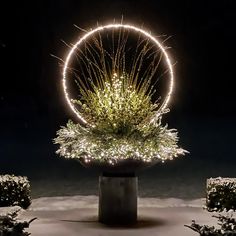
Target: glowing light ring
x: 100, y: 28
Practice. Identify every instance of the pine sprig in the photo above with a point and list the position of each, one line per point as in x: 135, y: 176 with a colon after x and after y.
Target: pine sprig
x: 154, y: 143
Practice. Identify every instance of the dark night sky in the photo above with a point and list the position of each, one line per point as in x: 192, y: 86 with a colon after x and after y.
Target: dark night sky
x: 32, y: 105
x: 203, y: 43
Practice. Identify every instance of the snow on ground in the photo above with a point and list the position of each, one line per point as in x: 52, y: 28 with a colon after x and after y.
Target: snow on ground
x: 6, y: 210
x: 77, y: 202
x: 77, y: 216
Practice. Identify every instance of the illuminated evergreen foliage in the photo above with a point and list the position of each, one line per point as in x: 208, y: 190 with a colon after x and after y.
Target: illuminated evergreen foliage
x: 123, y: 121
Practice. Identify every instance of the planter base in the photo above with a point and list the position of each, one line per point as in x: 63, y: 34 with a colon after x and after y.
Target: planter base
x: 118, y: 199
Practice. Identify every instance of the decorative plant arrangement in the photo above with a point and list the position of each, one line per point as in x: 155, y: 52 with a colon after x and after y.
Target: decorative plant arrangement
x: 14, y: 191
x: 116, y: 69
x: 10, y: 226
x: 119, y: 106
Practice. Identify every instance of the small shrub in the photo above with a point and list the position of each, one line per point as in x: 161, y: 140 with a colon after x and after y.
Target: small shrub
x: 10, y: 226
x: 227, y: 227
x: 14, y: 191
x: 221, y: 194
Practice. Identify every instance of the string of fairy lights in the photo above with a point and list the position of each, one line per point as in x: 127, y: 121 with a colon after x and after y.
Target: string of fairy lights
x: 117, y: 26
x: 76, y: 143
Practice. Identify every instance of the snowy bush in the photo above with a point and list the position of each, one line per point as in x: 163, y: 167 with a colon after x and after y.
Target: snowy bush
x: 221, y: 194
x: 10, y: 226
x: 14, y: 191
x: 227, y: 227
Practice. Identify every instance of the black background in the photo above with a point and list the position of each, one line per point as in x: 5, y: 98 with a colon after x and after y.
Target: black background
x: 32, y: 105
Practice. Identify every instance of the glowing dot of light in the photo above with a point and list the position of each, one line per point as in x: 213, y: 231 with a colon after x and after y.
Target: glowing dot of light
x: 114, y: 26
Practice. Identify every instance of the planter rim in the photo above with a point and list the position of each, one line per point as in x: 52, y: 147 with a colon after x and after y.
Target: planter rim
x: 123, y: 167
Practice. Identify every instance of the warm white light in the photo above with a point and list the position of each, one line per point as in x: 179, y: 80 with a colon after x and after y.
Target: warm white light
x: 116, y: 26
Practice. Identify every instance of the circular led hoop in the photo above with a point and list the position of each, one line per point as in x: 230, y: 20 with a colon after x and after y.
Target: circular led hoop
x: 116, y: 26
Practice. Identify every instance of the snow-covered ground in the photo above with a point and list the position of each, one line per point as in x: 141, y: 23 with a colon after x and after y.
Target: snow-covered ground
x: 77, y: 216
x: 78, y: 202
